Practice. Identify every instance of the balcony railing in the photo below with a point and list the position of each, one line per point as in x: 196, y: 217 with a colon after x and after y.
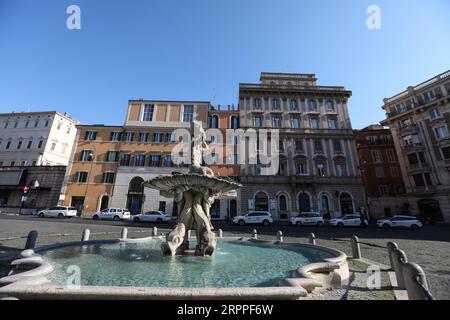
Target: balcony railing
x: 288, y: 87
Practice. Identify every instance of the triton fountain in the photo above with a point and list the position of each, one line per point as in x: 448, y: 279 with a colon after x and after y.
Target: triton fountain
x: 194, y: 194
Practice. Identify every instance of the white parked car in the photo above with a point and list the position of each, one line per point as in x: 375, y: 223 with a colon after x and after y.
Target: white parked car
x: 58, y: 212
x: 115, y: 214
x: 407, y: 222
x: 153, y: 216
x: 308, y: 218
x: 350, y: 220
x: 255, y: 217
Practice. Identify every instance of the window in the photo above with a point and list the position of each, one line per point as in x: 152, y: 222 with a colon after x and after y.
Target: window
x: 157, y: 137
x: 59, y: 126
x: 390, y: 155
x: 143, y: 137
x: 441, y: 132
x: 258, y: 122
x: 429, y: 96
x: 27, y: 124
x: 8, y: 145
x: 125, y: 159
x: 341, y: 169
x: 332, y: 123
x: 167, y: 161
x: 446, y: 153
x: 170, y: 137
x: 413, y: 159
x: 295, y: 122
x: 155, y: 160
x: 428, y: 179
x: 129, y: 136
x: 112, y: 156
x: 379, y: 172
x: 298, y: 144
x: 435, y: 113
x: 257, y: 104
x: 40, y: 144
x: 314, y: 123
x: 293, y: 105
x: 214, y: 122
x: 1, y: 163
x: 116, y: 136
x: 301, y: 168
x: 47, y: 122
x: 36, y: 123
x: 234, y: 140
x: 318, y: 146
x: 233, y: 159
x: 19, y: 144
x: 68, y: 131
x: 29, y: 144
x: 280, y: 146
x: 276, y: 104
x: 321, y: 169
x: 6, y: 124
x: 282, y: 203
x: 312, y: 104
x: 399, y: 189
x: 139, y: 160
x: 108, y: 177
x: 214, y: 139
x: 337, y: 146
x: 214, y: 158
x: 23, y: 163
x: 394, y: 172
x: 377, y: 156
x: 329, y: 106
x: 418, y: 180
x: 188, y: 113
x: 53, y: 147
x: 234, y: 122
x: 13, y: 163
x: 412, y: 140
x: 148, y: 112
x: 401, y: 107
x: 277, y: 121
x: 90, y: 135
x: 16, y: 124
x: 81, y: 177
x: 87, y: 155
x: 384, y: 190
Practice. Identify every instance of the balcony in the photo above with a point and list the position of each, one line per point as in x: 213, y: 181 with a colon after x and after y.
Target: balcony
x: 409, y: 129
x: 418, y: 168
x: 415, y: 147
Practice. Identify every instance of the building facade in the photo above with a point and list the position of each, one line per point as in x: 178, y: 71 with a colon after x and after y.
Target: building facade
x: 379, y: 164
x: 318, y: 162
x: 110, y: 163
x: 419, y: 120
x: 36, y: 139
x: 44, y: 182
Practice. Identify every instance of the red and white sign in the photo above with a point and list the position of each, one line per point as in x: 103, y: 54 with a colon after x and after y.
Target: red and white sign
x: 26, y: 189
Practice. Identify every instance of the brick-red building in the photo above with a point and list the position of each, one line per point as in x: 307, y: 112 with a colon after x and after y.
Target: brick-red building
x: 381, y: 172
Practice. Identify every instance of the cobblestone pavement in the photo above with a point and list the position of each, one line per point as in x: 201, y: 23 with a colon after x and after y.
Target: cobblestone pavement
x: 432, y: 256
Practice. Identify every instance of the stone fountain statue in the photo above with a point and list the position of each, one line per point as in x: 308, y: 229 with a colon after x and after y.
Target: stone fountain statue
x: 194, y: 194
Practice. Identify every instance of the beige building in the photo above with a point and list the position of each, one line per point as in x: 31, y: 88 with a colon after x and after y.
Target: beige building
x: 318, y: 168
x: 419, y: 120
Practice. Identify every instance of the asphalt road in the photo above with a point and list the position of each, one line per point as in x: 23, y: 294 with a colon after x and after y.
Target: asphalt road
x: 428, y: 233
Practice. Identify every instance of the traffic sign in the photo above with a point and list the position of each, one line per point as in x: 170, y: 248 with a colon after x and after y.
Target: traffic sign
x: 26, y: 189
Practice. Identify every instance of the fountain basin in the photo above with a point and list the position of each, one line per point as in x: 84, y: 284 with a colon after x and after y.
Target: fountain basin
x: 242, y: 268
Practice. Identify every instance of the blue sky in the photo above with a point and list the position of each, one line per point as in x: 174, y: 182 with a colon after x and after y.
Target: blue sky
x: 202, y: 49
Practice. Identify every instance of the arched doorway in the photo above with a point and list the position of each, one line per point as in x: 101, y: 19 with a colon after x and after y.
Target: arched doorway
x: 430, y: 210
x: 346, y: 203
x: 104, y: 202
x: 234, y: 122
x: 135, y: 195
x: 304, y: 202
x: 283, y: 207
x: 324, y: 204
x: 232, y: 208
x: 261, y: 202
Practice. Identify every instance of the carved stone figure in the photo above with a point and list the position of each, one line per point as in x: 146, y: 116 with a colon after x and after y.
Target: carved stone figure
x: 194, y: 193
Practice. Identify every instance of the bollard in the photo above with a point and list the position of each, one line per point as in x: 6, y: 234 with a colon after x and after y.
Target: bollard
x: 85, y: 235
x: 255, y: 234
x: 280, y: 236
x: 415, y: 282
x: 220, y: 233
x: 356, y: 248
x: 124, y: 234
x: 155, y: 231
x: 391, y: 246
x: 312, y: 238
x: 399, y: 259
x: 31, y: 240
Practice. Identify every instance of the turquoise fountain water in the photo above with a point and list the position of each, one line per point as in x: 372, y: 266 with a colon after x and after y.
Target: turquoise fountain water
x: 235, y: 264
